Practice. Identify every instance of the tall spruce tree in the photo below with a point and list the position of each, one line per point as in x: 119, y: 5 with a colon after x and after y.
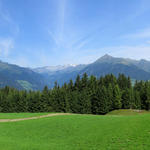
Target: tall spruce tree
x: 100, y: 101
x: 110, y: 97
x: 116, y: 97
x: 137, y: 101
x: 103, y: 101
x: 78, y: 85
x: 126, y: 99
x: 84, y: 81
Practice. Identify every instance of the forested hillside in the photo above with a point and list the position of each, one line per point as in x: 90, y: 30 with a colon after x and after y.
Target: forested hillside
x: 87, y: 95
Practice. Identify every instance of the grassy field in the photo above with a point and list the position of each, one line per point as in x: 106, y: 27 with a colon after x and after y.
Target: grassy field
x: 78, y: 132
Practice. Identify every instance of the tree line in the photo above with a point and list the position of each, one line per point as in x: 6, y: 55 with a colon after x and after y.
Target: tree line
x: 86, y: 95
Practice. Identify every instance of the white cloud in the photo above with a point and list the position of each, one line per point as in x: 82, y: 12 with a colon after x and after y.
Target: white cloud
x: 6, y: 45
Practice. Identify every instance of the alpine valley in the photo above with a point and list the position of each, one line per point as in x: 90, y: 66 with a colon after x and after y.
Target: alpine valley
x: 37, y: 78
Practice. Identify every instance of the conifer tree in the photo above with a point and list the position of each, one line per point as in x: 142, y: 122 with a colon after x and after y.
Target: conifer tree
x: 71, y: 86
x: 100, y: 101
x: 110, y: 96
x: 85, y: 102
x: 137, y: 101
x: 116, y: 97
x: 103, y: 101
x: 44, y: 99
x: 78, y: 83
x: 84, y: 81
x: 126, y: 99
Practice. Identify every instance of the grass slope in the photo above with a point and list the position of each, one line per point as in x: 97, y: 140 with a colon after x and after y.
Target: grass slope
x: 78, y: 132
x: 128, y: 112
x: 25, y: 84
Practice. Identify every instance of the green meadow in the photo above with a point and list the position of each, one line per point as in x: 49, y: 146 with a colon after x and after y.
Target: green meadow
x: 116, y: 131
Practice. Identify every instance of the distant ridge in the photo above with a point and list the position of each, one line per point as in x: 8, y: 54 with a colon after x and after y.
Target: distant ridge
x: 136, y: 69
x: 37, y: 78
x: 20, y: 77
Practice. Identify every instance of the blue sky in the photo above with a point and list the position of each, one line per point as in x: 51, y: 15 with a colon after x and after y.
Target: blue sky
x: 37, y: 33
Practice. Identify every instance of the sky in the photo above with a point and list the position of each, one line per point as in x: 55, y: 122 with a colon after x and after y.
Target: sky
x: 36, y: 33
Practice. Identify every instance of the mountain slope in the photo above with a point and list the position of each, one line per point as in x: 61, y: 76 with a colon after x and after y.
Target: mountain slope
x: 59, y: 69
x: 19, y: 77
x: 143, y: 64
x: 61, y: 74
x: 139, y: 70
x: 101, y: 69
x: 108, y: 64
x: 36, y: 79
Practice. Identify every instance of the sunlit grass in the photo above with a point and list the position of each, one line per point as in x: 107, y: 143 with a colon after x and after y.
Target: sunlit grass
x: 78, y: 132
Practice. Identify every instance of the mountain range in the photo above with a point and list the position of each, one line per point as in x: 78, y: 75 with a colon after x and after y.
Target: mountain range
x: 37, y: 78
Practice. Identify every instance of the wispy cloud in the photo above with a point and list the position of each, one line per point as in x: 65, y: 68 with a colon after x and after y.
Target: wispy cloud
x: 148, y: 41
x: 12, y: 30
x: 6, y: 45
x: 68, y: 37
x: 58, y: 34
x: 125, y: 51
x: 54, y: 37
x: 82, y: 44
x: 62, y: 12
x: 145, y: 33
x: 136, y: 52
x: 77, y: 42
